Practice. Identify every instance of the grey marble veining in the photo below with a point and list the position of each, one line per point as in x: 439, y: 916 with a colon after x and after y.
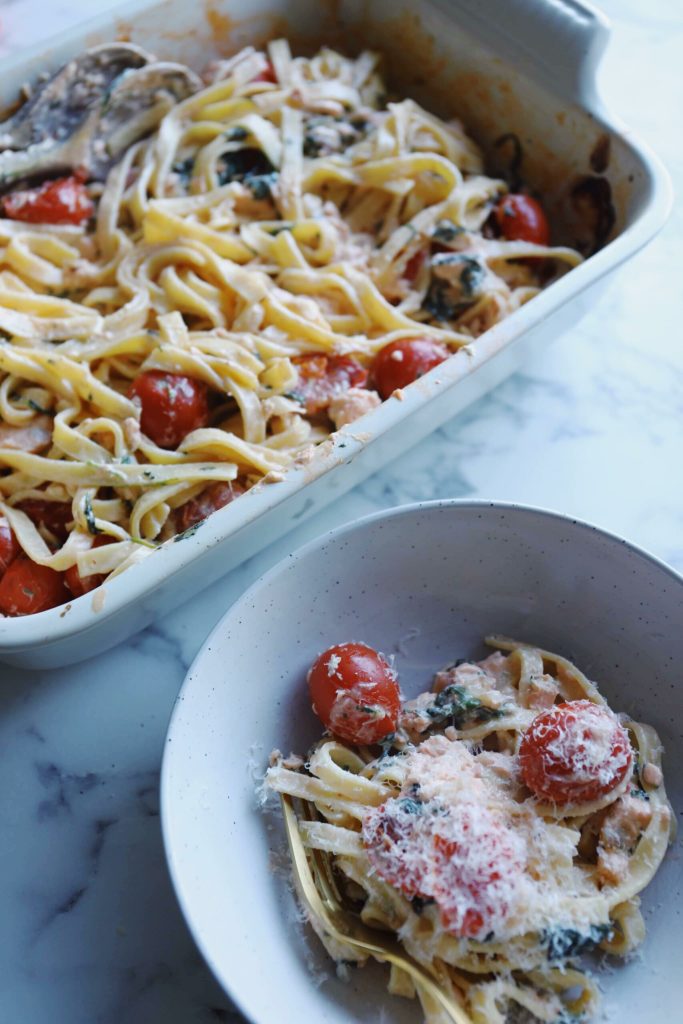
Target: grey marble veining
x: 89, y: 929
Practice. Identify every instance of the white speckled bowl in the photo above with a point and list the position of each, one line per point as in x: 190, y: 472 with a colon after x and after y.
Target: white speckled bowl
x: 425, y: 582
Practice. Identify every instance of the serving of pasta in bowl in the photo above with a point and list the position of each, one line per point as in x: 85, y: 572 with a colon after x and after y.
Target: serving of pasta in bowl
x: 221, y: 280
x: 502, y: 809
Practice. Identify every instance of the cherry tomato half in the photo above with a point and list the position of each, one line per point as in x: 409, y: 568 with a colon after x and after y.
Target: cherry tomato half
x: 267, y: 75
x: 391, y: 836
x: 322, y: 377
x: 478, y: 861
x: 521, y: 218
x: 212, y: 498
x: 414, y: 265
x: 54, y: 516
x: 27, y: 588
x: 172, y: 406
x: 9, y: 545
x: 63, y: 201
x: 401, y: 362
x: 575, y: 753
x: 355, y: 693
x: 79, y: 585
x: 463, y: 858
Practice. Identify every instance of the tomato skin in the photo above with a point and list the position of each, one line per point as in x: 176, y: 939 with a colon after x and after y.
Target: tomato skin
x: 426, y: 850
x: 322, y: 377
x: 556, y: 759
x: 355, y: 693
x: 79, y: 585
x: 389, y: 833
x: 9, y: 545
x: 401, y: 362
x: 62, y: 201
x: 470, y: 894
x: 522, y: 218
x: 55, y: 516
x: 172, y: 406
x: 27, y: 588
x: 267, y: 75
x: 414, y: 265
x: 212, y: 498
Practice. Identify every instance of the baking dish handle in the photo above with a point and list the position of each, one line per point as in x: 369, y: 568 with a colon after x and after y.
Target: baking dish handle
x: 565, y: 39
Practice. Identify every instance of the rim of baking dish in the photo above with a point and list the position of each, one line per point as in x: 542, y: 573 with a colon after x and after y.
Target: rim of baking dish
x: 92, y: 610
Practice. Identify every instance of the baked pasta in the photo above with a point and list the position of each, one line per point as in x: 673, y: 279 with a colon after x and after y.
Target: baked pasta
x: 500, y: 825
x: 210, y: 276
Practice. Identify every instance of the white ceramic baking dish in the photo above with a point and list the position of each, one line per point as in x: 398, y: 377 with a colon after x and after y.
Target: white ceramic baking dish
x: 504, y: 66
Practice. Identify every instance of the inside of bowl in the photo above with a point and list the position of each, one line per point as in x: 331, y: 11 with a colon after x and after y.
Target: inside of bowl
x: 426, y: 586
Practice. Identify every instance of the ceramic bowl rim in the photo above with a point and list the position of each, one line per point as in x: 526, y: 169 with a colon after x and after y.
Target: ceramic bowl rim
x: 262, y: 582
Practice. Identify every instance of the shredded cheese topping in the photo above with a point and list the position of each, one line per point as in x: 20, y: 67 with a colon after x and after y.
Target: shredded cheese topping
x: 439, y: 841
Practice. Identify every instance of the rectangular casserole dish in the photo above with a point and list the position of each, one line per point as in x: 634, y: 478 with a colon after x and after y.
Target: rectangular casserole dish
x: 525, y: 67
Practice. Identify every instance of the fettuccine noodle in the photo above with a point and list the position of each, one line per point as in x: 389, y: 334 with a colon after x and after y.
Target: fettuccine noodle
x: 577, y: 868
x: 284, y: 211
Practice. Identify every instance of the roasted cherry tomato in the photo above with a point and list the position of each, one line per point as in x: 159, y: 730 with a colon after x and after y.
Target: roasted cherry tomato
x: 63, y: 201
x: 521, y: 218
x: 575, y: 753
x: 27, y: 588
x: 401, y: 362
x: 79, y: 585
x: 463, y: 858
x: 475, y: 871
x: 391, y: 835
x: 414, y: 265
x: 172, y: 406
x: 267, y: 75
x: 54, y: 516
x: 212, y: 498
x: 355, y: 693
x: 322, y: 377
x: 9, y: 545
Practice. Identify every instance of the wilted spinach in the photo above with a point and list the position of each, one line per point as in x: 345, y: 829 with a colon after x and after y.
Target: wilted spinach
x: 565, y: 942
x: 455, y: 706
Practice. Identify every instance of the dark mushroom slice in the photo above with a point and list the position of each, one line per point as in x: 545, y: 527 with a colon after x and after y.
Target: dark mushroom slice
x: 130, y: 108
x: 61, y: 103
x: 134, y: 108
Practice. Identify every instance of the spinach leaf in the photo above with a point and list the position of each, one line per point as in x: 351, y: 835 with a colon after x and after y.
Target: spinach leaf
x: 418, y: 903
x: 184, y: 169
x: 472, y: 276
x: 438, y: 301
x: 455, y: 706
x: 446, y: 231
x: 34, y: 405
x: 240, y: 164
x: 236, y: 134
x: 90, y: 517
x: 566, y: 942
x: 261, y: 185
x: 410, y: 806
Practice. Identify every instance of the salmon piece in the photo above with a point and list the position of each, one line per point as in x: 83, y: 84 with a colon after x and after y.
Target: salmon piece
x: 34, y: 438
x: 624, y: 822
x: 540, y: 693
x: 351, y: 405
x: 612, y: 866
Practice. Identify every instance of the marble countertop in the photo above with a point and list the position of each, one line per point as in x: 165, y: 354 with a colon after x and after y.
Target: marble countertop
x: 89, y: 929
